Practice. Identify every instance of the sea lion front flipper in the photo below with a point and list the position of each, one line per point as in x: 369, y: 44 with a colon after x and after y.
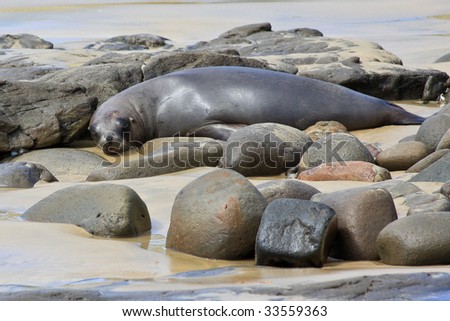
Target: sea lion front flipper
x: 216, y: 131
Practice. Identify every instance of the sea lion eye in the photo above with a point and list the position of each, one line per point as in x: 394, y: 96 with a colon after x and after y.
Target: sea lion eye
x: 122, y: 122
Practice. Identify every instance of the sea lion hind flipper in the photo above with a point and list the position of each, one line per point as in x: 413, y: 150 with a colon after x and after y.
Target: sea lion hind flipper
x: 216, y: 131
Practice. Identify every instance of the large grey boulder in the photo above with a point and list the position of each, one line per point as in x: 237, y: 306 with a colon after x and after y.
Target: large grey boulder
x: 24, y: 40
x: 103, y: 209
x: 295, y: 233
x: 264, y: 149
x: 436, y: 172
x: 402, y: 155
x: 23, y: 175
x: 421, y: 239
x: 362, y: 213
x: 336, y: 147
x: 434, y: 128
x: 42, y: 114
x: 216, y: 216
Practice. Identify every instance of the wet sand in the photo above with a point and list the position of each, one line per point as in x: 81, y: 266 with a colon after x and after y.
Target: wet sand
x: 55, y: 256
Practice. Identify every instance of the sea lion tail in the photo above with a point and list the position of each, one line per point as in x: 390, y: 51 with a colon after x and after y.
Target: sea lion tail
x: 404, y: 117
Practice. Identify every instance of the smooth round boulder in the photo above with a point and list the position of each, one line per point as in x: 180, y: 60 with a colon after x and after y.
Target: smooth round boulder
x: 433, y: 129
x: 23, y: 175
x: 107, y: 210
x: 362, y: 213
x: 264, y: 149
x: 286, y: 188
x: 402, y: 155
x: 216, y: 216
x: 337, y: 147
x: 295, y: 233
x: 421, y: 239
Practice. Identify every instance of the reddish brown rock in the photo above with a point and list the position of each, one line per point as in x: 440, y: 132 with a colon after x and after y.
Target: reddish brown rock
x: 348, y: 171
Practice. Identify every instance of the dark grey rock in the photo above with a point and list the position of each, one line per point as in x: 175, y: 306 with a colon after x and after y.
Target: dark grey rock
x: 247, y: 30
x: 101, y: 81
x: 264, y: 149
x: 165, y: 63
x: 104, y: 210
x: 216, y: 216
x: 433, y: 89
x: 445, y: 189
x: 421, y: 239
x: 433, y: 128
x: 120, y: 58
x: 64, y: 161
x: 427, y: 161
x: 286, y: 188
x: 168, y: 159
x: 132, y: 42
x: 402, y: 155
x: 23, y: 175
x: 295, y: 233
x: 26, y: 41
x: 436, y: 172
x: 362, y: 213
x: 336, y: 147
x: 45, y: 113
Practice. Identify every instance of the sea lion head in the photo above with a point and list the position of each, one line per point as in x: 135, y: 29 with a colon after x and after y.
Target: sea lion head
x: 114, y: 133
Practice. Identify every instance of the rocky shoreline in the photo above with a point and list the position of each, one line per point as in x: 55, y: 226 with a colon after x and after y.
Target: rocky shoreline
x: 223, y: 214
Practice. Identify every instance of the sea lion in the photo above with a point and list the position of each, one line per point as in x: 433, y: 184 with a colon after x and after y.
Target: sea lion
x: 214, y: 101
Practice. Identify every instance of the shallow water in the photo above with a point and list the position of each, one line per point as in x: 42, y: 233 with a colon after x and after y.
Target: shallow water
x: 57, y: 255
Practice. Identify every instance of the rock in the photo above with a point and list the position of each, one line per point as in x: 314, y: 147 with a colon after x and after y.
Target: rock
x: 433, y: 89
x: 104, y: 210
x: 321, y: 128
x: 165, y: 63
x: 286, y: 188
x: 436, y: 172
x: 427, y: 161
x: 402, y: 155
x: 445, y: 189
x: 64, y: 161
x: 247, y: 30
x: 23, y: 175
x: 422, y: 202
x: 43, y: 113
x: 101, y: 81
x: 397, y: 188
x: 362, y: 213
x: 141, y: 41
x: 295, y: 233
x: 264, y: 149
x: 362, y: 66
x: 444, y: 143
x: 374, y: 149
x: 164, y: 160
x: 120, y: 58
x: 433, y: 129
x: 421, y: 239
x: 216, y: 216
x: 337, y: 147
x: 444, y: 58
x: 24, y: 41
x: 348, y: 171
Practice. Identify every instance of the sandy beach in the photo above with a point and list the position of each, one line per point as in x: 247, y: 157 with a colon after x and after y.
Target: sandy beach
x: 57, y: 256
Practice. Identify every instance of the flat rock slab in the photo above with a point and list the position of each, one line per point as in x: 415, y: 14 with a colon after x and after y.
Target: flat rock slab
x: 102, y: 209
x: 439, y: 171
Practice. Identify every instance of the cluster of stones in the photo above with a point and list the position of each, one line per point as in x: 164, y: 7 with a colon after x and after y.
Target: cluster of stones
x: 288, y: 223
x: 55, y: 105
